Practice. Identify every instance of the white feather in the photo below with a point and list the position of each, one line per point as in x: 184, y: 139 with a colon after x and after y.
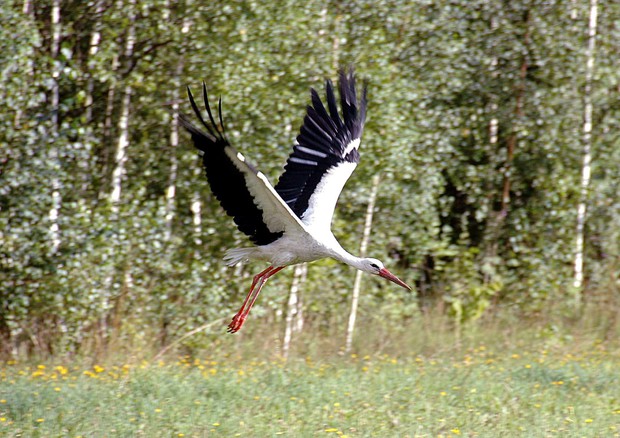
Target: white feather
x: 321, y: 205
x: 277, y: 215
x: 237, y: 255
x: 310, y: 151
x: 302, y: 161
x: 354, y: 144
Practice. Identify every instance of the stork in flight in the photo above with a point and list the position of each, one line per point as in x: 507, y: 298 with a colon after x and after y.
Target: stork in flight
x: 291, y: 222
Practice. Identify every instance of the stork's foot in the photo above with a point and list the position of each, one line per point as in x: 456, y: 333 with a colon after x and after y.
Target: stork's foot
x: 236, y: 323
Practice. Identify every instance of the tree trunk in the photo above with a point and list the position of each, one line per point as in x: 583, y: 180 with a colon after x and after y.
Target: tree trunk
x: 174, y: 143
x: 358, y: 274
x: 196, y: 208
x: 293, y: 306
x: 120, y: 159
x: 95, y: 40
x: 53, y: 152
x: 174, y: 132
x: 106, y: 139
x: 586, y: 156
x: 121, y: 153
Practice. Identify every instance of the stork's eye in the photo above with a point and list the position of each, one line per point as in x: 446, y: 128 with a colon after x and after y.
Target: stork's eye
x: 374, y: 265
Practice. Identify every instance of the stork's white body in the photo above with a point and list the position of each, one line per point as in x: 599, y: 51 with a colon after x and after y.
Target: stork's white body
x: 291, y: 249
x: 291, y: 222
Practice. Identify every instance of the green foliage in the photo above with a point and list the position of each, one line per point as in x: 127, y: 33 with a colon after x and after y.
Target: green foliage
x: 472, y: 286
x: 442, y: 77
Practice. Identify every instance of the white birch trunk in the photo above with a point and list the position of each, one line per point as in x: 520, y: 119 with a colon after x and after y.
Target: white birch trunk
x: 53, y: 152
x: 174, y: 136
x: 121, y: 152
x: 573, y: 11
x: 172, y: 178
x: 196, y: 208
x: 358, y: 274
x: 95, y: 40
x: 586, y: 155
x: 494, y: 123
x: 120, y: 157
x: 293, y: 307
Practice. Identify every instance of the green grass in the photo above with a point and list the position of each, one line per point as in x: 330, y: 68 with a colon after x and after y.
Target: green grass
x: 483, y: 391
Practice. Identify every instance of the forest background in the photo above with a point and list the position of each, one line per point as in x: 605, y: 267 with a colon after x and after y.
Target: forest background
x: 492, y: 127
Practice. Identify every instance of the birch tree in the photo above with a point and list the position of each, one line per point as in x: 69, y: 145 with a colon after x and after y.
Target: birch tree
x: 174, y: 134
x: 95, y: 40
x: 120, y: 159
x: 122, y: 144
x: 586, y: 154
x: 358, y: 274
x: 174, y: 143
x: 294, y: 318
x: 55, y: 107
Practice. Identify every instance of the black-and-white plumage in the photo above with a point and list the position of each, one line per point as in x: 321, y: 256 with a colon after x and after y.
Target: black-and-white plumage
x: 325, y: 154
x: 290, y: 223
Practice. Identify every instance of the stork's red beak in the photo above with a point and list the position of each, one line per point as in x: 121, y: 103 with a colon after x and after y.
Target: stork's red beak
x: 393, y: 278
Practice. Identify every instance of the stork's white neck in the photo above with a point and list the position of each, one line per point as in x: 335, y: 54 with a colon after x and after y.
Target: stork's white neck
x: 341, y: 254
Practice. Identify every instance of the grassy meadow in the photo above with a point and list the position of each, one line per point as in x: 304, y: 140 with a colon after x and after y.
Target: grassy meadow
x: 495, y: 382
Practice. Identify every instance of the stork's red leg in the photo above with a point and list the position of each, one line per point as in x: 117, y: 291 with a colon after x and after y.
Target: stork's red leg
x: 263, y: 281
x: 255, y: 280
x: 257, y: 284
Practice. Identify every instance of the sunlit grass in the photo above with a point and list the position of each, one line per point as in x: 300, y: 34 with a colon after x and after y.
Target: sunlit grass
x: 481, y: 391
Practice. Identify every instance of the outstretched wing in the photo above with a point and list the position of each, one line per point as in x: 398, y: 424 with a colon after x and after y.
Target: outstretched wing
x: 325, y: 153
x: 244, y: 193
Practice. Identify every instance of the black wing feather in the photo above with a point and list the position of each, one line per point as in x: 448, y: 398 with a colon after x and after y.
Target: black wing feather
x: 226, y: 181
x: 322, y: 141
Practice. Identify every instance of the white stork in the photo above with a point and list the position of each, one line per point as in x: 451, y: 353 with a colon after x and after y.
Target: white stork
x: 290, y: 223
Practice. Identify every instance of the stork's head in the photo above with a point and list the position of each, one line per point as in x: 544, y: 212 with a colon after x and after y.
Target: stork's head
x: 374, y: 266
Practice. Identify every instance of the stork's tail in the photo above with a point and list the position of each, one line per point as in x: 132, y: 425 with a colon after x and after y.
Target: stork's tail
x: 236, y: 255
